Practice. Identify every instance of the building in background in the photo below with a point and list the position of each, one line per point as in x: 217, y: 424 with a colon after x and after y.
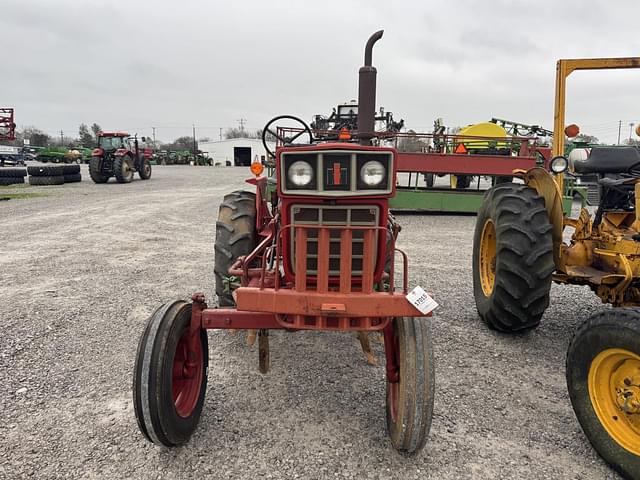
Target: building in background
x: 239, y: 152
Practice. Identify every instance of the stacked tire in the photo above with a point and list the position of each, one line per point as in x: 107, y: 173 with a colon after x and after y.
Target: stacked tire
x: 11, y: 176
x: 46, y: 175
x: 54, y: 174
x: 71, y: 173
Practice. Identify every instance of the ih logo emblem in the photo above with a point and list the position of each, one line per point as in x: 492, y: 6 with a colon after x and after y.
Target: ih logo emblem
x: 337, y: 175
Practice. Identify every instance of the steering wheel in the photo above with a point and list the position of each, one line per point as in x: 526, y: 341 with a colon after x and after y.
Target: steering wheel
x: 283, y: 138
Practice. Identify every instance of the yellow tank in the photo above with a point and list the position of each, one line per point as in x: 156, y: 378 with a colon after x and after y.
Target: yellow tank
x: 484, y: 129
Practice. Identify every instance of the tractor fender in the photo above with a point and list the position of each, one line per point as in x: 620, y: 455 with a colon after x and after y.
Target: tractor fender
x: 121, y: 152
x: 543, y: 183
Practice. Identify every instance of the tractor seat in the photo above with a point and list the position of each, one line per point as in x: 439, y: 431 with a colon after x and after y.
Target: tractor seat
x: 610, y: 160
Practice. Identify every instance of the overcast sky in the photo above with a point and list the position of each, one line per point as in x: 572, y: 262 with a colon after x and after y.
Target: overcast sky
x: 137, y: 64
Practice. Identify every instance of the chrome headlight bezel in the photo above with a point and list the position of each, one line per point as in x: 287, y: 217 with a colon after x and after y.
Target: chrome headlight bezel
x: 372, y: 173
x: 558, y: 165
x: 300, y: 174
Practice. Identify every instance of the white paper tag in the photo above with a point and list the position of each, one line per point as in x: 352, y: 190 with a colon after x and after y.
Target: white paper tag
x: 421, y: 300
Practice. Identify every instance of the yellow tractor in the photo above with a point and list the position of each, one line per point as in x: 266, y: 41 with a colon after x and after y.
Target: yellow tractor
x: 521, y: 245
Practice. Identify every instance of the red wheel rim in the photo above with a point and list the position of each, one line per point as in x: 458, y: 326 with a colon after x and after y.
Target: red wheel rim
x: 188, y: 366
x: 394, y: 387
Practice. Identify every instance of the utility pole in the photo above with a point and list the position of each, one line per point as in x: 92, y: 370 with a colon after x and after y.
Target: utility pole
x: 619, y: 129
x: 61, y: 138
x: 154, y: 136
x: 241, y: 122
x: 220, y: 133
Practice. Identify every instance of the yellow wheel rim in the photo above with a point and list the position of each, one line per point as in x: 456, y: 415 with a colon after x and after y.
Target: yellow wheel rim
x: 488, y: 257
x: 614, y: 389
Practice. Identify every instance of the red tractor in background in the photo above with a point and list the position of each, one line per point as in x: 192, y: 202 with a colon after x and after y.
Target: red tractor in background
x: 7, y: 124
x: 119, y: 155
x: 317, y: 253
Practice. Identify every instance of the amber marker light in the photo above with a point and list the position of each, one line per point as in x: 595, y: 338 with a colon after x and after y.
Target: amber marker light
x: 344, y: 134
x: 257, y: 168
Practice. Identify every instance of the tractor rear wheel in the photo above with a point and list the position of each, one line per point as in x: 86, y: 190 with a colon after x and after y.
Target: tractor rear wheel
x: 512, y: 258
x: 145, y: 170
x: 94, y: 171
x: 123, y: 169
x: 170, y: 376
x: 235, y: 237
x: 603, y: 378
x: 410, y: 399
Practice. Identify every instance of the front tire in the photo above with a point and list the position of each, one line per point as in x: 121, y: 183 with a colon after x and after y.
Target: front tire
x: 145, y: 170
x: 409, y: 403
x: 512, y: 258
x: 123, y: 169
x: 235, y: 237
x: 603, y: 379
x: 170, y: 378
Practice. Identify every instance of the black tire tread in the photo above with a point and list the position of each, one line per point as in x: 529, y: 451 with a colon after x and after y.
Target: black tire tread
x: 117, y: 169
x: 13, y: 172
x: 410, y: 433
x: 235, y: 236
x: 524, y: 262
x: 141, y: 172
x: 11, y: 180
x: 609, y: 328
x: 75, y: 177
x: 51, y: 180
x: 71, y: 169
x: 45, y: 170
x: 156, y: 419
x: 94, y: 171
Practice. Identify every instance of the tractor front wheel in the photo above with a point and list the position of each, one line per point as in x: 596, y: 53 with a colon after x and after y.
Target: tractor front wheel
x: 512, y: 258
x: 170, y: 376
x: 603, y: 378
x: 410, y: 398
x: 123, y: 169
x: 95, y: 171
x: 145, y: 170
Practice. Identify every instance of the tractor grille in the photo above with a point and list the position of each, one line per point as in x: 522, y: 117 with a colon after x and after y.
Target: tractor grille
x: 338, y: 216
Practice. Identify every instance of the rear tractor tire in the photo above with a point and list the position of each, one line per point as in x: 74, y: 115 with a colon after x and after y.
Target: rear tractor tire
x: 95, y: 171
x: 235, y: 237
x: 123, y: 169
x: 410, y: 400
x: 512, y: 258
x: 603, y: 379
x: 170, y: 376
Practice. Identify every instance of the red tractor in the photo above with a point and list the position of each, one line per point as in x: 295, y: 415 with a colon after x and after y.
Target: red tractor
x: 316, y: 253
x: 119, y: 155
x: 7, y: 124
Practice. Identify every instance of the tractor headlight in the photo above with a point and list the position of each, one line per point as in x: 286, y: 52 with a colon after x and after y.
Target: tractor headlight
x: 300, y: 173
x: 559, y: 164
x: 372, y: 173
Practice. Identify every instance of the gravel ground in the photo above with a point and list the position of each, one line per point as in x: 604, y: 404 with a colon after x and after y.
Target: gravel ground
x: 82, y: 268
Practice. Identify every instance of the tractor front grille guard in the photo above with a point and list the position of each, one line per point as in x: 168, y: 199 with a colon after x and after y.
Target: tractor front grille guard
x: 344, y: 302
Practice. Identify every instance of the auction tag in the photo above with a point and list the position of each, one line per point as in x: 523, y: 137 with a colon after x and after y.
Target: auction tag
x: 421, y: 300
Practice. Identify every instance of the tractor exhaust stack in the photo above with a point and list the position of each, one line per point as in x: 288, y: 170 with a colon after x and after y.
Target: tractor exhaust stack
x: 367, y: 93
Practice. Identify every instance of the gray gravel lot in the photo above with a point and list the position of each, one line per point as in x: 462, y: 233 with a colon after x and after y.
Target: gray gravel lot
x: 82, y: 268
